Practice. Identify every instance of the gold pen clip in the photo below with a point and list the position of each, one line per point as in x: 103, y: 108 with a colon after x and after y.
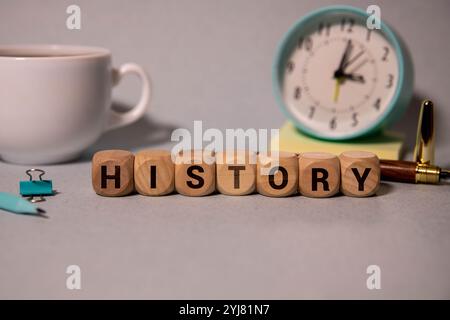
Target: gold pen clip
x: 424, y: 150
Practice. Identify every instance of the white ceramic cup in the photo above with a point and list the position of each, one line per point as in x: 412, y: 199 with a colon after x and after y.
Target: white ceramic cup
x: 55, y: 101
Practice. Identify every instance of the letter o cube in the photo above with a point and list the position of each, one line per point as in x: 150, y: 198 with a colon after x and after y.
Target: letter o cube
x: 277, y: 174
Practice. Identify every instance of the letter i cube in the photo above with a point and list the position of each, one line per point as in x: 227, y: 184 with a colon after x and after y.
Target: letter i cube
x: 154, y: 172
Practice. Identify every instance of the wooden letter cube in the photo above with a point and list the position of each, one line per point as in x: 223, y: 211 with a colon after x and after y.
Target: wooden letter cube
x: 112, y: 173
x: 236, y: 172
x: 319, y: 174
x: 277, y: 174
x: 360, y: 173
x: 154, y: 172
x: 195, y: 173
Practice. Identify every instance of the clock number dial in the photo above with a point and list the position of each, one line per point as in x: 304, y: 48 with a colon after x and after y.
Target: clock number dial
x: 347, y: 25
x: 385, y: 54
x: 390, y: 81
x: 333, y: 123
x: 312, y: 110
x: 320, y: 28
x: 328, y: 29
x: 377, y: 104
x: 308, y: 44
x: 298, y: 93
x: 305, y: 43
x: 351, y: 23
x: 355, y: 119
x: 290, y: 66
x: 338, y: 71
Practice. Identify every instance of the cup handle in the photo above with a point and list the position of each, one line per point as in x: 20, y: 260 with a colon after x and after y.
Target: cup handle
x: 120, y: 119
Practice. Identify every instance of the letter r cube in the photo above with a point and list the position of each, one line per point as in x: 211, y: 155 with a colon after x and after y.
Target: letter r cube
x: 319, y: 174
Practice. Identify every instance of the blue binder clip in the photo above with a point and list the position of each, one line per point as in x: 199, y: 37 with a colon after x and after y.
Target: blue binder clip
x: 36, y: 189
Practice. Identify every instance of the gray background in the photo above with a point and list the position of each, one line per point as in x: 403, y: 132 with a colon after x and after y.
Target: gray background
x: 210, y: 61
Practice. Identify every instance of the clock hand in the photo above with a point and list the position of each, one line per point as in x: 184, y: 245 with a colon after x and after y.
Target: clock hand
x: 340, y: 76
x: 337, y: 89
x: 353, y: 77
x: 359, y: 65
x: 340, y: 71
x: 344, y: 59
x: 349, y: 62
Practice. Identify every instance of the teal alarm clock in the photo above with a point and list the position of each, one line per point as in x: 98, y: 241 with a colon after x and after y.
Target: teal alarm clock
x: 336, y: 79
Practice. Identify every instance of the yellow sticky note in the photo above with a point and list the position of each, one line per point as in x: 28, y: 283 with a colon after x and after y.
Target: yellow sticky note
x: 386, y: 145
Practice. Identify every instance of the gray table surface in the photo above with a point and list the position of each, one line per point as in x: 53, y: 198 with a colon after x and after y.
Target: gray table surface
x: 210, y: 60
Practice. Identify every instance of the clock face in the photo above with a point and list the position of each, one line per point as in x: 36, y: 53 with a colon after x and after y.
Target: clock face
x: 340, y: 77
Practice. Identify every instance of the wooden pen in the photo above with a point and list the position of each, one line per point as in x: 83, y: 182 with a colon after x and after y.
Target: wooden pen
x: 412, y: 172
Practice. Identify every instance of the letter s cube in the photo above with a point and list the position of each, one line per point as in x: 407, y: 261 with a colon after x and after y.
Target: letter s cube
x: 195, y: 173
